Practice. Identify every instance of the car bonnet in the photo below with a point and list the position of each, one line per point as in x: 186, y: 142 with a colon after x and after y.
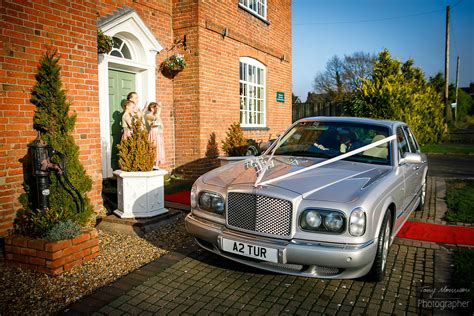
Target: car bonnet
x: 340, y: 181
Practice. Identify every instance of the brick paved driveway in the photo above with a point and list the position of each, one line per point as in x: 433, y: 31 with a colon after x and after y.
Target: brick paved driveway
x: 202, y: 283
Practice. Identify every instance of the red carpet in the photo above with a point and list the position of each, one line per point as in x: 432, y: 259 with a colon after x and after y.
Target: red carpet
x: 182, y: 197
x: 437, y: 233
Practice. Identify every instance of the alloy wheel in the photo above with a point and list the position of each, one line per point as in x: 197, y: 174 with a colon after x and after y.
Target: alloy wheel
x: 386, y: 243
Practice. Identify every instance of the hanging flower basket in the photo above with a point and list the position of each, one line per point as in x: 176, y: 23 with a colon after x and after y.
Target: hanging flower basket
x: 172, y: 65
x: 105, y: 43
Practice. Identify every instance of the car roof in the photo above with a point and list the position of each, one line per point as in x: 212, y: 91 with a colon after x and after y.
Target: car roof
x: 348, y: 119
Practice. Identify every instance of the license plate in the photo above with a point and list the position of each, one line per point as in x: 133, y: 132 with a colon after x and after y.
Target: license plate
x: 249, y: 250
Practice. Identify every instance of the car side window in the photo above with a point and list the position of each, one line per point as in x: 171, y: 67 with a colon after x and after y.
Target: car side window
x: 411, y: 144
x: 412, y: 140
x: 402, y: 143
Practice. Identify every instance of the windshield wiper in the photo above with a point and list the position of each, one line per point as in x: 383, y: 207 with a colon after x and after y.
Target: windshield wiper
x: 304, y: 153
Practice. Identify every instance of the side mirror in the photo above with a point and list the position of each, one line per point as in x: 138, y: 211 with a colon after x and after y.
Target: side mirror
x: 411, y: 158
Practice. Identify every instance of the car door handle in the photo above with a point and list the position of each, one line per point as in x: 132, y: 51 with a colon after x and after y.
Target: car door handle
x: 416, y: 167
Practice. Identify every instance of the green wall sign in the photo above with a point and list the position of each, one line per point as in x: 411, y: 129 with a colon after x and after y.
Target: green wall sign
x: 280, y: 97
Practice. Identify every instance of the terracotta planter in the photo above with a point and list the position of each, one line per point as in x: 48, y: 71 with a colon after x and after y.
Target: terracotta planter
x: 140, y: 194
x: 53, y: 257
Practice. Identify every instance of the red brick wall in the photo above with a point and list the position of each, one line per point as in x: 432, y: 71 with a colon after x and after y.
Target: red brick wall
x: 202, y: 99
x: 218, y: 76
x: 27, y: 30
x: 186, y: 84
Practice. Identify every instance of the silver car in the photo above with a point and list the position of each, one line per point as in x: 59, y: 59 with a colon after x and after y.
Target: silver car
x: 325, y: 200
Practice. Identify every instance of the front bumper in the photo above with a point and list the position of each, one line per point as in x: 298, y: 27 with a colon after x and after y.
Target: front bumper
x: 297, y: 257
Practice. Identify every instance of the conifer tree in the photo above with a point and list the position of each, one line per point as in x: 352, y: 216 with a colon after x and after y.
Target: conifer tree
x: 235, y: 144
x: 52, y: 119
x: 399, y: 91
x: 136, y: 152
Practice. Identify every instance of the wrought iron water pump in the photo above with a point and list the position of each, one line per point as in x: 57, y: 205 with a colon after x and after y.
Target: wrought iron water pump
x: 42, y: 153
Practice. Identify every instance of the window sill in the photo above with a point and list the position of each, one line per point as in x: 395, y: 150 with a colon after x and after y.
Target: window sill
x: 261, y: 128
x: 254, y: 14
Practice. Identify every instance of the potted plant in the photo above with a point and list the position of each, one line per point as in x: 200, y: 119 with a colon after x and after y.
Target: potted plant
x: 172, y: 65
x: 140, y: 189
x: 42, y: 230
x: 235, y: 145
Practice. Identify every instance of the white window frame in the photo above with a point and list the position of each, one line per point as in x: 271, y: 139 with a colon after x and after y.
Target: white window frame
x: 248, y: 72
x: 254, y: 6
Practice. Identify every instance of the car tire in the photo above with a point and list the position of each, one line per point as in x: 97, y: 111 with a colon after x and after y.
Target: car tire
x: 377, y: 272
x: 422, y: 196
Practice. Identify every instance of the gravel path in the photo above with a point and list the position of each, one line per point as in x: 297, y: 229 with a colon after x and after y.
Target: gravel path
x: 25, y: 292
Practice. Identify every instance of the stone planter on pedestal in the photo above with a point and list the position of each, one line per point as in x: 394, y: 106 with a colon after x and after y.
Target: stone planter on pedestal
x: 140, y: 194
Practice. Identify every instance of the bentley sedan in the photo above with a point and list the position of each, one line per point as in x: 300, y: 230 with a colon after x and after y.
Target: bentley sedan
x: 325, y: 200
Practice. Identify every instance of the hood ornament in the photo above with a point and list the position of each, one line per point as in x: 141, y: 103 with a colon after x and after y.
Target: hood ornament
x: 260, y: 164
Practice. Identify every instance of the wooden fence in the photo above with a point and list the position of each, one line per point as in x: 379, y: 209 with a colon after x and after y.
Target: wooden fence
x: 308, y: 109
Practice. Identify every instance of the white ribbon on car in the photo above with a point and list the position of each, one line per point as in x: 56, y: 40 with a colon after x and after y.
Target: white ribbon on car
x: 323, y: 163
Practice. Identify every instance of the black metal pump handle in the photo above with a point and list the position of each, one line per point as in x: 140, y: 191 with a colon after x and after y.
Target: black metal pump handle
x: 61, y: 170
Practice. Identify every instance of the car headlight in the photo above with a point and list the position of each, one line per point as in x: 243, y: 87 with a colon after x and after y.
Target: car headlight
x: 322, y: 221
x: 313, y: 219
x: 210, y: 201
x: 357, y: 222
x: 194, y: 196
x: 334, y: 221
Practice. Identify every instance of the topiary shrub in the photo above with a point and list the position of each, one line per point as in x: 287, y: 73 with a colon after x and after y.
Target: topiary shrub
x: 136, y: 153
x: 235, y: 144
x: 52, y: 119
x: 212, y: 148
x: 63, y: 230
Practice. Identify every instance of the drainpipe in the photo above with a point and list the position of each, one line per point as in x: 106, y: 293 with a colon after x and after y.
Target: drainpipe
x: 173, y: 119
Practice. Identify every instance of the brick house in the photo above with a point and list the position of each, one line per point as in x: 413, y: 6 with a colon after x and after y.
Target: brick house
x: 238, y: 54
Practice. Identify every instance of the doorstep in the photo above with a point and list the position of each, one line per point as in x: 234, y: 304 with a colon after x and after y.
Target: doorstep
x: 138, y: 226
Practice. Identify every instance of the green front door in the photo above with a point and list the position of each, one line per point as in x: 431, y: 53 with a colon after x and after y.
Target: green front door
x: 120, y: 84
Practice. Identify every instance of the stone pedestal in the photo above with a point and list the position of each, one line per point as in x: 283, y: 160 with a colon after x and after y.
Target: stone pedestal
x: 140, y: 194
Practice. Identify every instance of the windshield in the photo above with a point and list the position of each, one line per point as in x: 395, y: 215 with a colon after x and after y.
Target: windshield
x: 331, y: 139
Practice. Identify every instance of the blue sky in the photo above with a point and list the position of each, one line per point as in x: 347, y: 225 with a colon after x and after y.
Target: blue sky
x: 407, y: 28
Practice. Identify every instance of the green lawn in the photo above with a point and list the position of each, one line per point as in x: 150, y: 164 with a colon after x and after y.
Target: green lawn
x: 460, y: 201
x: 448, y: 148
x: 463, y: 276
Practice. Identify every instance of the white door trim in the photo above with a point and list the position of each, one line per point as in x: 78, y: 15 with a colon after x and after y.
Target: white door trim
x: 143, y: 47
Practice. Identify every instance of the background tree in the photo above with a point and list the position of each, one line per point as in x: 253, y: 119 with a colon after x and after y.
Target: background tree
x: 330, y: 82
x: 357, y: 67
x: 52, y: 119
x: 343, y: 76
x: 465, y: 102
x: 399, y: 91
x: 465, y: 105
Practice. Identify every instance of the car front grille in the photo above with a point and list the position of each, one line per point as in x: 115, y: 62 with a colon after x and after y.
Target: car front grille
x: 259, y: 213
